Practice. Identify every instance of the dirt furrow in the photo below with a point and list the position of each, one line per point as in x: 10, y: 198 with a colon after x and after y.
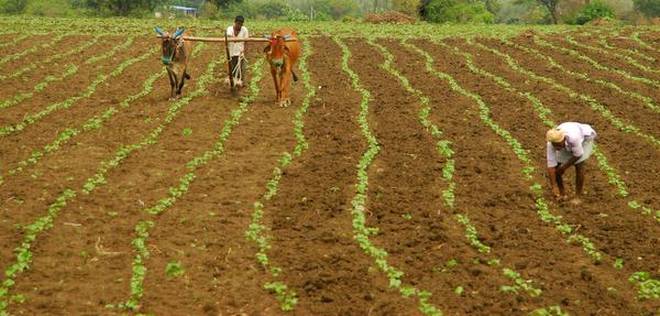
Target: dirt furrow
x: 606, y: 59
x: 104, y: 220
x: 633, y: 168
x: 205, y: 230
x: 628, y: 108
x: 603, y: 214
x: 310, y: 218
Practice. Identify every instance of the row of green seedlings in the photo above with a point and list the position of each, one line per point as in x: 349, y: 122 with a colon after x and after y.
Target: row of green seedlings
x: 612, y: 175
x: 628, y: 59
x: 62, y: 105
x: 93, y: 123
x: 360, y: 230
x: 602, y: 40
x: 595, y: 64
x: 647, y: 284
x: 593, y: 103
x: 521, y: 153
x: 176, y: 192
x: 48, y: 61
x: 152, y: 137
x: 19, y: 97
x: 69, y: 71
x: 635, y: 37
x: 37, y: 47
x: 647, y: 101
x: 257, y: 231
x: 32, y: 231
x: 15, y: 40
x: 443, y: 146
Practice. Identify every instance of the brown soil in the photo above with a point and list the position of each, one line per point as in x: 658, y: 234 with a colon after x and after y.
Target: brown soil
x: 56, y: 177
x: 161, y: 163
x: 23, y: 45
x: 310, y: 218
x: 628, y: 242
x: 502, y: 210
x: 605, y: 59
x: 615, y: 143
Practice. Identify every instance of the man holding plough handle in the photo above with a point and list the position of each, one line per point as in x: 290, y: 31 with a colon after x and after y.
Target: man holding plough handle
x: 237, y: 51
x: 568, y: 144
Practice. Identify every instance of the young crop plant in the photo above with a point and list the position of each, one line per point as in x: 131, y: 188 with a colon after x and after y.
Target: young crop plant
x: 93, y: 123
x: 256, y: 231
x: 360, y: 230
x: 174, y: 269
x: 139, y: 270
x: 124, y: 151
x: 218, y: 148
x: 23, y: 251
x: 544, y: 115
x: 35, y: 48
x: 549, y: 311
x: 519, y: 283
x: 649, y: 288
x: 602, y: 40
x: 118, y: 48
x: 39, y: 87
x: 594, y: 104
x: 628, y: 59
x: 62, y: 105
x: 443, y: 147
x: 15, y: 40
x: 594, y: 63
x: 635, y: 37
x: 647, y: 101
x: 522, y: 155
x: 23, y: 254
x: 53, y: 58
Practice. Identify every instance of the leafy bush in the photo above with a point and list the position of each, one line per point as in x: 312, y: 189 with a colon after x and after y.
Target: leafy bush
x: 650, y: 8
x: 208, y: 10
x: 51, y: 8
x: 594, y: 10
x: 442, y: 11
x: 13, y: 6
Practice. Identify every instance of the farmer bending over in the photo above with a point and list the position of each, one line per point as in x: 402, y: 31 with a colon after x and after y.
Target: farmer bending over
x: 237, y: 51
x: 568, y: 144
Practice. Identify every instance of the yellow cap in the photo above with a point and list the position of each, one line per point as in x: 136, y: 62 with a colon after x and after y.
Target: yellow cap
x: 555, y: 135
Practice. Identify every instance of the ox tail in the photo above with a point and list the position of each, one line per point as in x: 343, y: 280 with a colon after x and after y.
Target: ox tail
x: 295, y: 78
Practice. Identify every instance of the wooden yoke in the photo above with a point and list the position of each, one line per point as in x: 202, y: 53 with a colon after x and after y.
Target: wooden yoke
x: 229, y: 39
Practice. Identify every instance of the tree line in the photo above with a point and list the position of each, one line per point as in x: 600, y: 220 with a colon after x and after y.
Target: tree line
x: 440, y: 11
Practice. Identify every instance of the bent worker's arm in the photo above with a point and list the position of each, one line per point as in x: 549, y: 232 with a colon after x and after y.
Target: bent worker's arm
x: 552, y: 174
x: 552, y: 169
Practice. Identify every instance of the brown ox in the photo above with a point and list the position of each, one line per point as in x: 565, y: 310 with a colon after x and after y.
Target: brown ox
x: 176, y: 52
x: 282, y: 54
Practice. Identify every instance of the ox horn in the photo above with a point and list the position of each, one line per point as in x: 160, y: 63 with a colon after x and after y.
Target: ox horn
x: 286, y: 37
x: 267, y: 36
x: 159, y: 31
x: 179, y: 31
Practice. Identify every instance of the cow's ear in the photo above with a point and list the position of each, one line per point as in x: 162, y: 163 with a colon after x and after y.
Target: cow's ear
x: 266, y: 49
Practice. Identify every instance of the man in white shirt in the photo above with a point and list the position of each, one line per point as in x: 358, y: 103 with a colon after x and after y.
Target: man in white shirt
x: 568, y: 144
x: 237, y: 51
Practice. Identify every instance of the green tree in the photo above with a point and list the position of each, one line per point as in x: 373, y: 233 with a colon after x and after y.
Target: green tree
x: 441, y: 11
x: 650, y: 8
x: 594, y: 10
x: 13, y: 6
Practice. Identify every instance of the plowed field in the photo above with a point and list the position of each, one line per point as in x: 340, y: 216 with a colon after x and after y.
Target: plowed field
x: 407, y: 177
